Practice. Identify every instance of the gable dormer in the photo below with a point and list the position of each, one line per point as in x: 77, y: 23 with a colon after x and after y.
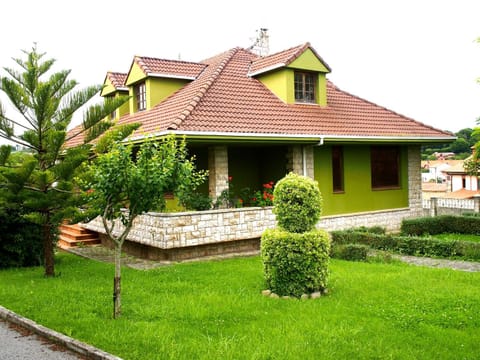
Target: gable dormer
x: 296, y: 75
x: 114, y: 86
x: 152, y: 80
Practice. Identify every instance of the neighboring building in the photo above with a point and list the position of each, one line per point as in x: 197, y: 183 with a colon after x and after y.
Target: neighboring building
x: 460, y: 184
x: 434, y: 170
x: 256, y: 118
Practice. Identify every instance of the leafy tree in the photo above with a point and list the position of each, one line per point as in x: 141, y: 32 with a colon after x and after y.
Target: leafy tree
x: 122, y: 188
x: 46, y: 103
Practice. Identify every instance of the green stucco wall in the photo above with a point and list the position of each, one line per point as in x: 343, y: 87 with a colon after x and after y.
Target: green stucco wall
x: 308, y: 61
x: 358, y: 195
x: 277, y: 82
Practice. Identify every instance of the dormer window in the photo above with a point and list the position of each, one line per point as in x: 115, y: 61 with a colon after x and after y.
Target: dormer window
x: 305, y: 84
x: 141, y: 96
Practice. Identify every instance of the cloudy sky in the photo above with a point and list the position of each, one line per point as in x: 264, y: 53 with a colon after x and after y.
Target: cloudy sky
x: 418, y: 58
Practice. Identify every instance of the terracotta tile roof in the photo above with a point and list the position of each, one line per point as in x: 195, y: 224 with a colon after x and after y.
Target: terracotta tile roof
x: 117, y: 79
x: 223, y: 99
x: 462, y: 194
x: 433, y: 187
x: 458, y: 168
x: 174, y: 68
x: 280, y: 59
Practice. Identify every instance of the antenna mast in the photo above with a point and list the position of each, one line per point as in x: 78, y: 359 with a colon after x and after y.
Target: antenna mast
x: 261, y: 45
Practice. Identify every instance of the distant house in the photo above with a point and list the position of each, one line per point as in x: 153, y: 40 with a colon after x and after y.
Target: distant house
x: 257, y: 118
x: 460, y: 184
x: 434, y: 170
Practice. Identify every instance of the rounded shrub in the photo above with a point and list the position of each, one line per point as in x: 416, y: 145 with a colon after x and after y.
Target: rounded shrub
x: 297, y: 203
x: 294, y: 263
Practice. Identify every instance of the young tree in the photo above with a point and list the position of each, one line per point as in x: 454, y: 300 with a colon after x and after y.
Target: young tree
x: 46, y: 102
x: 122, y: 188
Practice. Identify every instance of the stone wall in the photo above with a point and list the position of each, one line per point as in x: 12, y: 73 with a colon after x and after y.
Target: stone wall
x: 179, y: 236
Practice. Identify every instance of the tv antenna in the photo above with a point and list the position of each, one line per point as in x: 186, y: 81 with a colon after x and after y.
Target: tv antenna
x: 261, y: 46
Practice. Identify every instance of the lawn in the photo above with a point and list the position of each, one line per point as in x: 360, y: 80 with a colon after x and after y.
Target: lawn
x: 460, y: 237
x: 214, y: 310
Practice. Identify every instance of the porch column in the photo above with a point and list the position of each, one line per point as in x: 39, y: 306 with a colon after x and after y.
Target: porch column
x: 414, y: 181
x: 300, y: 160
x: 217, y: 170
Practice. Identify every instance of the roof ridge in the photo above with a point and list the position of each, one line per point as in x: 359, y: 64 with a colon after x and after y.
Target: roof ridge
x: 168, y: 60
x: 296, y: 54
x: 389, y: 110
x: 197, y: 97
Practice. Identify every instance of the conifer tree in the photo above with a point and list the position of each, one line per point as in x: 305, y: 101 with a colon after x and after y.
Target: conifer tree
x: 46, y: 102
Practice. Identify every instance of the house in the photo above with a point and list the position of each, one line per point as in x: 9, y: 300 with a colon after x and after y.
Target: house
x: 461, y: 184
x: 255, y: 118
x: 434, y: 170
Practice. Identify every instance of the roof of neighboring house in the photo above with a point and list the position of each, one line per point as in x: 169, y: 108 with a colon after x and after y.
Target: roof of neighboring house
x: 442, y: 164
x: 433, y: 187
x: 224, y: 100
x: 462, y: 194
x: 457, y: 168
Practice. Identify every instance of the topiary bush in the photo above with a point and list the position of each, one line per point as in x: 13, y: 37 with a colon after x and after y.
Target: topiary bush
x: 293, y: 263
x: 297, y: 203
x: 296, y: 255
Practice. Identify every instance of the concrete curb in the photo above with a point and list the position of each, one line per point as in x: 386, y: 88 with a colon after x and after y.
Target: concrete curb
x: 76, y: 346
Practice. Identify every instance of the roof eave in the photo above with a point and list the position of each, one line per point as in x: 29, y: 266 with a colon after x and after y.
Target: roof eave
x: 305, y: 138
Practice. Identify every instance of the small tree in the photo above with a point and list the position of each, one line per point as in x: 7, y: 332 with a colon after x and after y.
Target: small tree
x: 44, y: 184
x: 122, y: 188
x: 296, y: 255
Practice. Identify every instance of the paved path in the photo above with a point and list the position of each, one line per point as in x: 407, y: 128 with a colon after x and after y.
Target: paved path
x: 469, y: 266
x: 18, y: 343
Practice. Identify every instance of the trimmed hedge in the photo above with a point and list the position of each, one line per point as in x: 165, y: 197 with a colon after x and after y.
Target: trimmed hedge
x: 293, y: 263
x: 351, y: 252
x: 409, y: 245
x: 441, y: 224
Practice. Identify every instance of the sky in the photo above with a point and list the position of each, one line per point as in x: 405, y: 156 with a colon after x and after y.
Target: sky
x: 417, y: 58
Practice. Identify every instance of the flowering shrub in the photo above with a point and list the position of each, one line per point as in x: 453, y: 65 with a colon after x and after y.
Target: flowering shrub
x: 263, y: 197
x: 229, y: 198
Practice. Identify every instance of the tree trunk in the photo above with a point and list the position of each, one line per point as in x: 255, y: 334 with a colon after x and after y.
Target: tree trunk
x: 117, y: 303
x: 48, y: 248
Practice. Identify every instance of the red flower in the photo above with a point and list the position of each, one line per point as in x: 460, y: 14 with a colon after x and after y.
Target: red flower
x: 267, y: 186
x: 230, y: 178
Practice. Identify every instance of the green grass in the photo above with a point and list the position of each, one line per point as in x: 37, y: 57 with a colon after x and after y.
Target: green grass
x: 459, y: 237
x: 214, y: 310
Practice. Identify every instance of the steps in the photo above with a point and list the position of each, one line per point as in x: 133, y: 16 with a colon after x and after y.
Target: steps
x: 74, y: 235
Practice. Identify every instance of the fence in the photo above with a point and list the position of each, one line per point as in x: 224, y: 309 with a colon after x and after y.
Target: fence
x: 447, y: 206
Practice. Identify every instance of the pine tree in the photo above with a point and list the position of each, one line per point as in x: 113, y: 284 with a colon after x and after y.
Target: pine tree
x: 46, y: 102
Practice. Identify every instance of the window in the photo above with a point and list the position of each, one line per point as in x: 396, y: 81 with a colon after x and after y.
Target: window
x: 305, y: 87
x: 385, y: 167
x: 141, y: 96
x: 113, y: 114
x: 337, y: 169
